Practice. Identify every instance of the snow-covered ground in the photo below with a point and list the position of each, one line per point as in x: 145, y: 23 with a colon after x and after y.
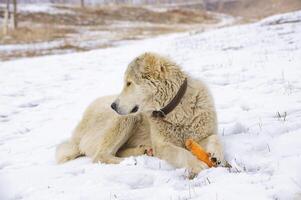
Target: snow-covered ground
x: 254, y: 72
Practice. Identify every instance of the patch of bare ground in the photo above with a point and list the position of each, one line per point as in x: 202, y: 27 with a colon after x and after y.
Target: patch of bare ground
x: 81, y: 29
x: 141, y: 14
x: 27, y: 34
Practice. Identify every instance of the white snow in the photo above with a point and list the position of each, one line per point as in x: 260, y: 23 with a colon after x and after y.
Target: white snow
x: 42, y: 8
x: 33, y: 46
x: 254, y: 72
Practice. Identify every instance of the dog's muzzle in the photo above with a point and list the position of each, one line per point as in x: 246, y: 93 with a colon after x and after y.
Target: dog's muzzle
x: 114, y: 106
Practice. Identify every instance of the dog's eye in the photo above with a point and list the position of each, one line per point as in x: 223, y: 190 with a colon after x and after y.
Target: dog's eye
x: 128, y: 83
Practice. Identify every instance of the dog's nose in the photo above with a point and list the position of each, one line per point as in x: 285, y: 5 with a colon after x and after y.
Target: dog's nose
x: 114, y: 106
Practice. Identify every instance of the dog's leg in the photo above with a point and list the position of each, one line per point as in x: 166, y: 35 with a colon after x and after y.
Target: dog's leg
x: 114, y: 137
x: 66, y: 151
x: 213, y: 146
x: 177, y: 156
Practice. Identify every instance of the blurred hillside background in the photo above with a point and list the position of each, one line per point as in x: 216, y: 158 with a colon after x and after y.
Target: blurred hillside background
x: 43, y: 27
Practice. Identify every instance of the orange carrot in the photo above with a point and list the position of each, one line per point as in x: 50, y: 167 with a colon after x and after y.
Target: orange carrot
x: 199, y: 152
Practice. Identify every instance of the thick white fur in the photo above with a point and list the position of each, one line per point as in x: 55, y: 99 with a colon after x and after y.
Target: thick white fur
x: 103, y: 132
x: 151, y: 81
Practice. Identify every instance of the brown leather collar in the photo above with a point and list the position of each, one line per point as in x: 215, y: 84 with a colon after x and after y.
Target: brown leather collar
x: 173, y: 103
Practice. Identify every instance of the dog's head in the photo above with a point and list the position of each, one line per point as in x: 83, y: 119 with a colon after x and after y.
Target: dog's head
x: 146, y: 78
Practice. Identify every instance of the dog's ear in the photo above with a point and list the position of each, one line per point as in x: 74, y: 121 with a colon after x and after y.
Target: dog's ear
x: 155, y: 65
x: 150, y: 61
